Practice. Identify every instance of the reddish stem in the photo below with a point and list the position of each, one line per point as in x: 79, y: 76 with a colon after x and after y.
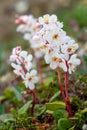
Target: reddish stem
x: 67, y: 100
x: 40, y: 71
x: 66, y: 84
x: 33, y: 102
x: 60, y: 84
x: 23, y: 67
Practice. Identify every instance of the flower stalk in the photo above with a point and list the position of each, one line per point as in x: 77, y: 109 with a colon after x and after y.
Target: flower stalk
x: 65, y: 94
x: 40, y: 71
x: 67, y: 100
x: 23, y: 66
x: 60, y: 84
x: 33, y: 102
x: 31, y: 91
x: 21, y: 62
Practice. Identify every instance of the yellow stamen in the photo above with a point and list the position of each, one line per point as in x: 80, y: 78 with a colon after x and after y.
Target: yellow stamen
x: 56, y: 59
x: 55, y: 36
x: 30, y: 78
x: 46, y: 19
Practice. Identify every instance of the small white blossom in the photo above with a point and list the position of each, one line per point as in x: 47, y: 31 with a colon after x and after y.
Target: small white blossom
x: 15, y: 53
x: 27, y: 62
x: 72, y: 63
x: 31, y: 79
x: 69, y: 46
x: 18, y: 70
x: 54, y: 36
x: 55, y: 60
x: 58, y: 61
x: 84, y: 127
x: 46, y: 19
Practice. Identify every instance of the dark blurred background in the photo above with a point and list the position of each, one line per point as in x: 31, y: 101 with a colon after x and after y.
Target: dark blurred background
x: 73, y: 13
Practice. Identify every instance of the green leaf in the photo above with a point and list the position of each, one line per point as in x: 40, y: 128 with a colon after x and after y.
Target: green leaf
x: 54, y: 96
x: 47, y: 81
x: 64, y: 124
x: 23, y: 109
x: 7, y: 117
x: 8, y: 93
x: 2, y: 109
x: 60, y: 113
x: 17, y: 93
x: 49, y: 112
x: 2, y: 98
x: 13, y: 112
x: 72, y: 128
x: 80, y: 14
x: 84, y: 111
x: 85, y: 59
x: 42, y: 111
x: 55, y: 105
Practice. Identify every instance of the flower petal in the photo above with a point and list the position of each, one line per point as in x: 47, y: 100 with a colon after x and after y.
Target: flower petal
x: 31, y: 85
x: 23, y: 54
x: 53, y: 65
x: 33, y: 72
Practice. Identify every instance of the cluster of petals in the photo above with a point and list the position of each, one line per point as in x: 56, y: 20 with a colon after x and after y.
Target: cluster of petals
x: 28, y: 26
x: 59, y: 49
x: 21, y: 61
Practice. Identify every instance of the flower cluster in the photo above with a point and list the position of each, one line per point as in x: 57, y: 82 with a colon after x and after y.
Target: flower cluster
x: 58, y: 48
x: 21, y: 61
x: 28, y: 26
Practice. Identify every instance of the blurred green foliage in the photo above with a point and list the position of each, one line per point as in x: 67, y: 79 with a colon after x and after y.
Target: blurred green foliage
x: 51, y: 105
x: 80, y: 14
x: 77, y: 12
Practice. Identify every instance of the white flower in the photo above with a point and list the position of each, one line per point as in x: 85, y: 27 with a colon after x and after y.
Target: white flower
x: 31, y: 79
x: 54, y: 36
x: 16, y: 50
x: 27, y: 24
x: 27, y: 36
x: 69, y: 46
x: 22, y: 28
x: 72, y: 63
x: 27, y: 62
x: 12, y: 58
x: 48, y: 55
x: 21, y: 58
x: 70, y: 49
x: 84, y: 127
x: 18, y: 55
x: 15, y: 53
x: 55, y: 60
x: 23, y: 54
x: 38, y: 53
x: 58, y: 61
x: 37, y: 45
x: 46, y: 19
x: 18, y: 70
